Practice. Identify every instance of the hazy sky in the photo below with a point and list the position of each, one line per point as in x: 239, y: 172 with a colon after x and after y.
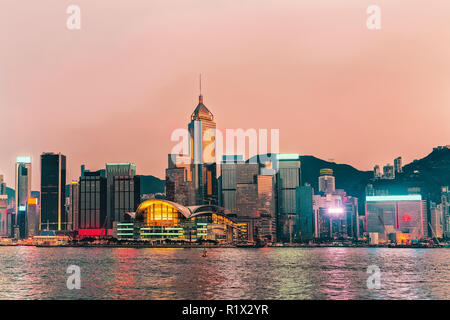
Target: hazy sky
x: 115, y: 90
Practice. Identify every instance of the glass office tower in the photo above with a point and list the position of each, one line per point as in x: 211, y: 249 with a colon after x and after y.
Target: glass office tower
x: 53, y: 184
x: 22, y: 194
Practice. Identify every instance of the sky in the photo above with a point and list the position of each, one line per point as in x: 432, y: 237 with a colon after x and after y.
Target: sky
x: 115, y: 90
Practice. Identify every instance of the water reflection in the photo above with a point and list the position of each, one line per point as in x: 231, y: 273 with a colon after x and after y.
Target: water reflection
x: 241, y: 273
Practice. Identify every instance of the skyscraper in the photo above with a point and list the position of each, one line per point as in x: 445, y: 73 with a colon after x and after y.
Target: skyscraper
x: 398, y: 218
x: 53, y: 184
x: 4, y: 225
x: 179, y: 181
x: 92, y: 218
x: 202, y: 131
x: 22, y: 194
x: 388, y: 172
x: 74, y: 201
x: 192, y: 178
x: 326, y: 181
x: 305, y: 213
x: 250, y: 196
x: 32, y: 217
x: 120, y: 178
x: 398, y: 165
x: 287, y: 181
x: 2, y: 185
x: 376, y: 172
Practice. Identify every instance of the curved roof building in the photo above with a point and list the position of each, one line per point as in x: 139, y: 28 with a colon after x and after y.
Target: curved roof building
x: 161, y: 219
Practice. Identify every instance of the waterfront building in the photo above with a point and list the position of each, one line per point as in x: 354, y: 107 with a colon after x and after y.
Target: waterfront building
x: 126, y: 195
x: 436, y: 220
x: 287, y: 181
x: 328, y: 216
x: 33, y: 217
x: 92, y: 206
x: 445, y: 203
x: 398, y: 165
x: 179, y: 184
x: 22, y: 194
x: 4, y: 224
x: 53, y: 184
x: 396, y: 218
x: 202, y: 132
x: 192, y: 179
x: 73, y: 203
x: 161, y: 220
x: 326, y: 181
x: 250, y: 196
x: 120, y: 191
x: 305, y: 212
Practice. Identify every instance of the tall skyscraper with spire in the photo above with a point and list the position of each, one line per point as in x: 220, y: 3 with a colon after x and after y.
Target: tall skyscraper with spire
x: 199, y: 181
x: 202, y: 131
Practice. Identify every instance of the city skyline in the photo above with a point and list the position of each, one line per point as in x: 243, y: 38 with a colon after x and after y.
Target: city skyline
x: 116, y: 79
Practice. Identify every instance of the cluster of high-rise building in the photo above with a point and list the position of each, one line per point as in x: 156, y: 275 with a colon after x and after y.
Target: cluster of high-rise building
x: 389, y: 171
x: 263, y: 195
x: 231, y: 199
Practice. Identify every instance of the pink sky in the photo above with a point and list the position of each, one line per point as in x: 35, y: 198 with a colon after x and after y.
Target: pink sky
x: 116, y: 89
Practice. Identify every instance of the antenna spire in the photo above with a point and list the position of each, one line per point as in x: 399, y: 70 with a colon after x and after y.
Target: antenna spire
x: 200, y: 97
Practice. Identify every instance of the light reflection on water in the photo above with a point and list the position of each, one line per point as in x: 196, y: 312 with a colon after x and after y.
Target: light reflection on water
x: 266, y: 273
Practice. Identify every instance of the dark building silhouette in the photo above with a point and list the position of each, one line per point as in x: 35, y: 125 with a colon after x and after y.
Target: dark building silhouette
x: 92, y: 210
x: 53, y: 182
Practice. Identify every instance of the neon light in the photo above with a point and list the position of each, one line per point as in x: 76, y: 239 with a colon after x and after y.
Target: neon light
x: 293, y: 156
x: 32, y: 201
x: 412, y: 197
x: 406, y: 218
x: 22, y: 208
x: 125, y: 224
x: 91, y: 232
x: 335, y: 210
x: 160, y: 234
x: 23, y: 159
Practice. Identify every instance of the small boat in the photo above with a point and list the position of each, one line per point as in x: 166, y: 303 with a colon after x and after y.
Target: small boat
x: 205, y: 253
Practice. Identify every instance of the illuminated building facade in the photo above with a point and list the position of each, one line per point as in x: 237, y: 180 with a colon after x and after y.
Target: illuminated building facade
x: 396, y: 218
x: 22, y: 194
x: 192, y: 179
x: 92, y: 206
x: 33, y: 217
x: 53, y: 183
x: 162, y: 220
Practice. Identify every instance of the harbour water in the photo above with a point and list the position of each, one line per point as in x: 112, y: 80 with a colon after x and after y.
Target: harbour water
x: 225, y: 273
